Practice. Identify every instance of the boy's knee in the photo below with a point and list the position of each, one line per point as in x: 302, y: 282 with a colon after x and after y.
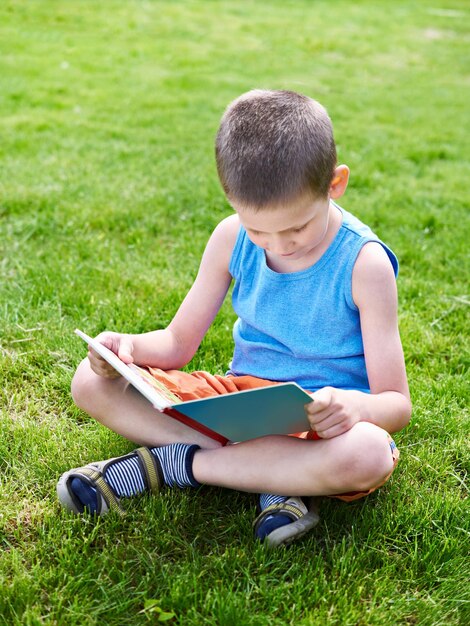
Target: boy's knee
x: 372, y: 456
x: 78, y: 386
x: 85, y: 386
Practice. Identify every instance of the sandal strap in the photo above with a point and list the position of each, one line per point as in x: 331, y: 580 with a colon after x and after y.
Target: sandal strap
x: 95, y: 478
x: 151, y: 468
x: 290, y: 510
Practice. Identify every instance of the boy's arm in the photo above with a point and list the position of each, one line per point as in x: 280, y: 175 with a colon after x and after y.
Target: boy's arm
x: 174, y: 346
x: 335, y: 411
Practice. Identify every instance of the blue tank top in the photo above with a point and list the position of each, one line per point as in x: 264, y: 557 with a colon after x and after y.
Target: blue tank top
x: 302, y: 326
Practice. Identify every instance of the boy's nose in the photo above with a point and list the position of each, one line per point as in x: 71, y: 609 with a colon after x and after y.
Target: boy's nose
x: 281, y: 246
x: 281, y: 251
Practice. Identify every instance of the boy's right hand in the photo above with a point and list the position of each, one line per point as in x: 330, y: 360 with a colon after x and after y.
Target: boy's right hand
x: 118, y: 343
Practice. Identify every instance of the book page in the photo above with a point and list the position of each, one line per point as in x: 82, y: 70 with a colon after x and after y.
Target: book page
x: 155, y: 384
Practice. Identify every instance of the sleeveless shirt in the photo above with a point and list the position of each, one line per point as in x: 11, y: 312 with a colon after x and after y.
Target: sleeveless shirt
x: 302, y: 326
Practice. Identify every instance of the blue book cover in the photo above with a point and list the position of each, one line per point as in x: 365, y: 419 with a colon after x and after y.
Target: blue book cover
x: 276, y: 410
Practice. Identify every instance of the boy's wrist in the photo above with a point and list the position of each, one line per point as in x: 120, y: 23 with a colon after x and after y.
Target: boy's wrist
x: 389, y: 410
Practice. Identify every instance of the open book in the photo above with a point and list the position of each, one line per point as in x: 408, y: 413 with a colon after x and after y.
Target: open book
x: 238, y: 416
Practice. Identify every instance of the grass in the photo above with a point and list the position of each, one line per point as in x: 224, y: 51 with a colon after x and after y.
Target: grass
x: 108, y: 194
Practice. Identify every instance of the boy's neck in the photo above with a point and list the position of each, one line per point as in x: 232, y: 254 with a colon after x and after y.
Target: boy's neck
x: 285, y: 266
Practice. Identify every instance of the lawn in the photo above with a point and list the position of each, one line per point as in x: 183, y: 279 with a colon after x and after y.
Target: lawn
x: 108, y: 192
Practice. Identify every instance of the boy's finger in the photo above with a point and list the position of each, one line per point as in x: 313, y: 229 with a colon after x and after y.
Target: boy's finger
x: 110, y: 374
x: 321, y: 400
x: 333, y: 431
x: 318, y: 421
x: 107, y: 339
x: 94, y: 356
x: 125, y: 350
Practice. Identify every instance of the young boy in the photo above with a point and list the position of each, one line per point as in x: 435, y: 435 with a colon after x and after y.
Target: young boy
x: 316, y: 301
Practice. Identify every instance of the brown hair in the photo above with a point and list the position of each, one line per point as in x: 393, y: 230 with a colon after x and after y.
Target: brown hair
x: 274, y: 145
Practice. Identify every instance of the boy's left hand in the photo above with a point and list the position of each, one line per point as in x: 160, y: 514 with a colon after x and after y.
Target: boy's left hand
x: 333, y: 411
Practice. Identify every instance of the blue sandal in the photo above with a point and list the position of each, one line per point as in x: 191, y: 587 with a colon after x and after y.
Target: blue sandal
x: 303, y: 520
x: 106, y: 499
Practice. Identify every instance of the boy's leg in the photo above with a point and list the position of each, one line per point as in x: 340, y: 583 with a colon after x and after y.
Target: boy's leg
x: 118, y: 406
x: 350, y: 462
x: 334, y: 466
x: 356, y: 461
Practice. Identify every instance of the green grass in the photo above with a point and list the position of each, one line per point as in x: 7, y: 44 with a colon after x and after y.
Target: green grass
x: 108, y: 194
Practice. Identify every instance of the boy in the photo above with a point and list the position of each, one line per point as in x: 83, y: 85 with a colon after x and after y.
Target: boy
x: 316, y: 302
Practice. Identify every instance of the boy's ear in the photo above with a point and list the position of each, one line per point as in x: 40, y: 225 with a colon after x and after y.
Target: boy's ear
x: 339, y: 182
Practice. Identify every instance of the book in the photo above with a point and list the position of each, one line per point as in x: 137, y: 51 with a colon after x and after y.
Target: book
x: 275, y: 410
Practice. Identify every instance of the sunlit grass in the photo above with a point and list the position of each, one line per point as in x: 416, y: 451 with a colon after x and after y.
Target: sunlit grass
x: 108, y: 192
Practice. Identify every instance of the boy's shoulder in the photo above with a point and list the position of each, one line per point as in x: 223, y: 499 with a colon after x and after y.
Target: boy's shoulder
x: 369, y: 251
x: 221, y: 243
x: 232, y: 222
x: 226, y: 231
x: 354, y: 224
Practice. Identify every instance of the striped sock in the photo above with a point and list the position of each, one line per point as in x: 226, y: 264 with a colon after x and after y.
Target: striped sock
x: 266, y: 499
x: 271, y: 522
x: 125, y: 476
x: 176, y: 460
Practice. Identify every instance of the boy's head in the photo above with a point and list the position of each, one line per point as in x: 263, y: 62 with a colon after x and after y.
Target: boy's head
x: 274, y: 146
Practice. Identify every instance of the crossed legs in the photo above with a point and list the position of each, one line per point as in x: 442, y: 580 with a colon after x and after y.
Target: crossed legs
x: 355, y: 461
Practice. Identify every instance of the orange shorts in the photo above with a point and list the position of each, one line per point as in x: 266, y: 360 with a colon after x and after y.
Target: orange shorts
x: 200, y: 384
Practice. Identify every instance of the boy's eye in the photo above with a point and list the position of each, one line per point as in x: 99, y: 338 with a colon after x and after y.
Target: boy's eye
x: 299, y: 230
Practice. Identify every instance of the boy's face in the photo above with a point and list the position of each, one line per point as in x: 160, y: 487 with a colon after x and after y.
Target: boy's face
x: 289, y: 233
